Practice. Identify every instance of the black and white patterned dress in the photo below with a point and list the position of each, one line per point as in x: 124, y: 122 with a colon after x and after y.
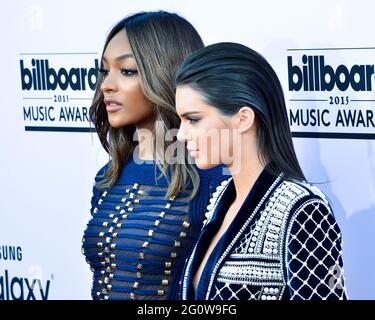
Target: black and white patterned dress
x: 284, y: 243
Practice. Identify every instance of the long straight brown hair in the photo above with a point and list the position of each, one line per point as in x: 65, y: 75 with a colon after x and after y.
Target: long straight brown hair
x: 160, y: 41
x: 230, y: 76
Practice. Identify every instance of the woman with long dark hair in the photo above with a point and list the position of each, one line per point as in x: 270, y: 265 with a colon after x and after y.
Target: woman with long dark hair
x: 147, y: 203
x: 268, y: 234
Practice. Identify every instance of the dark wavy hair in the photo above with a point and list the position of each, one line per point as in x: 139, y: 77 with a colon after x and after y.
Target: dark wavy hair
x: 230, y: 76
x: 160, y: 41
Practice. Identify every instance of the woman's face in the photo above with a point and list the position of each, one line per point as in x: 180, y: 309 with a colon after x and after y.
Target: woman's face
x: 123, y: 95
x: 210, y: 136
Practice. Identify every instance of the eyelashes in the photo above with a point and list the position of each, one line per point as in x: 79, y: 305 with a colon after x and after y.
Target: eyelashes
x: 103, y: 72
x: 127, y: 72
x: 193, y: 120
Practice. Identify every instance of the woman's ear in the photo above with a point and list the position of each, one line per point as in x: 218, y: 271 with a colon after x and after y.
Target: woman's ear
x: 244, y: 119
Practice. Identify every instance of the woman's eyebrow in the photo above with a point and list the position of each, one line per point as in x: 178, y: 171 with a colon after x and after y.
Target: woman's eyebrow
x: 122, y: 57
x: 185, y: 114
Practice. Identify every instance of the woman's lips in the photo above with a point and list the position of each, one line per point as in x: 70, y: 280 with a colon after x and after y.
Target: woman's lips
x: 112, y: 105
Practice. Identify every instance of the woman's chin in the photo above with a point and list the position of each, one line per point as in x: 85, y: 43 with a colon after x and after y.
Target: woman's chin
x: 117, y: 123
x: 203, y: 165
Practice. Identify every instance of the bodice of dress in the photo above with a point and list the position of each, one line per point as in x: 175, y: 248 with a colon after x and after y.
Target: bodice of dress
x: 284, y: 243
x: 137, y: 239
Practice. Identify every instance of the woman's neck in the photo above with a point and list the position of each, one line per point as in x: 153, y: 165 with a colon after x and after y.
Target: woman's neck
x: 145, y: 146
x: 245, y: 179
x: 245, y: 169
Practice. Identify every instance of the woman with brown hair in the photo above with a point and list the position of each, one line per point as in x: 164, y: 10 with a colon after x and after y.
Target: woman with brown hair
x: 268, y: 234
x: 147, y: 204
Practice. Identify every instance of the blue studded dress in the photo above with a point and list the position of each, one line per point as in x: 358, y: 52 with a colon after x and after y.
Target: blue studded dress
x: 136, y: 241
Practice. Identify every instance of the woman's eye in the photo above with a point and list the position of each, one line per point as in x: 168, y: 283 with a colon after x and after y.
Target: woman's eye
x: 128, y: 72
x: 193, y: 120
x: 103, y: 72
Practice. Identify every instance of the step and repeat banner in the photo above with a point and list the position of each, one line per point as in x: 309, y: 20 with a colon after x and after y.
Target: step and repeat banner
x: 323, y: 52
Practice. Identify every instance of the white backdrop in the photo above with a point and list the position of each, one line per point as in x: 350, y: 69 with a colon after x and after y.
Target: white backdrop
x: 48, y: 157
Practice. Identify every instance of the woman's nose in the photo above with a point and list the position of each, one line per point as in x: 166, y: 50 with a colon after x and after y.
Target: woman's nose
x: 182, y: 134
x: 108, y: 84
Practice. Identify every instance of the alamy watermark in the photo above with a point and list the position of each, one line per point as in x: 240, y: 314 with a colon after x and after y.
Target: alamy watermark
x: 210, y: 147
